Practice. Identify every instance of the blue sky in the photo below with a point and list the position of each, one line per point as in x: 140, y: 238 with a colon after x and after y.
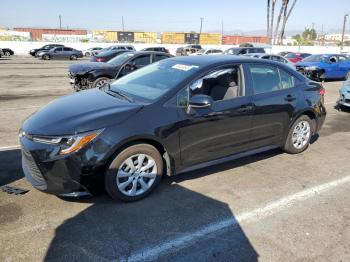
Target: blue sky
x: 163, y: 15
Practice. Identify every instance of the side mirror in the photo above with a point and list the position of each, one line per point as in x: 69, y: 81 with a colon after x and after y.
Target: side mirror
x: 199, y: 101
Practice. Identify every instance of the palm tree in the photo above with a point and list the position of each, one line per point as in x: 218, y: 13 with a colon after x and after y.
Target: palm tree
x: 285, y: 19
x: 283, y: 8
x: 272, y: 18
x: 268, y: 21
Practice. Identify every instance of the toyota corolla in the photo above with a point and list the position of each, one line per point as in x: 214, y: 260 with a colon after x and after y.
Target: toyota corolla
x: 170, y: 117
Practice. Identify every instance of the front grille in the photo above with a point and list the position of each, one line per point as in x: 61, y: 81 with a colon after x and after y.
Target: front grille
x: 32, y: 167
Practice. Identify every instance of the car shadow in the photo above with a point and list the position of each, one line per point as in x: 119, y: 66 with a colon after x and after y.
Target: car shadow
x: 172, y: 224
x: 10, y: 166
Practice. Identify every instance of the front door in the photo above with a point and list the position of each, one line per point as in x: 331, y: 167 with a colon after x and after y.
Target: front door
x: 224, y: 128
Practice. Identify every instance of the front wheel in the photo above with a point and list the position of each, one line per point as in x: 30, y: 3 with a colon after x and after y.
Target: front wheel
x: 299, y: 135
x: 7, y: 53
x: 46, y: 57
x: 101, y: 81
x: 134, y: 173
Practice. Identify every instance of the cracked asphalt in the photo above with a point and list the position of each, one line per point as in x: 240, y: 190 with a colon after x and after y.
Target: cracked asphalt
x: 182, y: 220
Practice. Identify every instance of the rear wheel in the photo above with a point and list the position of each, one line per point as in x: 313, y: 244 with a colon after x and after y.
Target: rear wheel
x: 87, y: 54
x: 134, y: 173
x: 101, y: 81
x: 299, y: 135
x: 7, y: 53
x: 73, y: 57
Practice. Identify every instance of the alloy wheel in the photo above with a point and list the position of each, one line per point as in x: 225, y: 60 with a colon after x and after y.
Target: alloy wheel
x: 136, y: 175
x: 301, y: 134
x: 101, y: 83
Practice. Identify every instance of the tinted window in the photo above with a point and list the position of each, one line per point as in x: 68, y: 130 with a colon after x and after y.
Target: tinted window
x: 58, y: 49
x: 142, y: 60
x: 159, y: 57
x: 130, y: 48
x: 67, y: 49
x: 268, y: 79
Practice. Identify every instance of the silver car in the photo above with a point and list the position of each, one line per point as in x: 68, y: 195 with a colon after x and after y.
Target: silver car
x: 272, y: 57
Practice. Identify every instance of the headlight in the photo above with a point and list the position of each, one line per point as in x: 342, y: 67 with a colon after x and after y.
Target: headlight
x: 68, y: 144
x: 311, y: 68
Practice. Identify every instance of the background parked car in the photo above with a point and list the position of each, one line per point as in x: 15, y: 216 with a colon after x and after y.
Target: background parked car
x: 344, y: 94
x: 244, y: 50
x: 1, y: 52
x: 90, y: 51
x: 283, y: 53
x: 7, y: 51
x: 116, y: 47
x: 34, y: 52
x: 209, y: 51
x: 272, y: 57
x: 323, y: 67
x: 106, y: 56
x: 92, y: 74
x: 61, y: 52
x: 185, y: 51
x: 296, y: 57
x: 156, y: 49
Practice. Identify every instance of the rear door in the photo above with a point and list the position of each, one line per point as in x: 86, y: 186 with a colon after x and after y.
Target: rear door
x: 67, y: 52
x: 275, y: 99
x: 344, y: 65
x: 158, y: 57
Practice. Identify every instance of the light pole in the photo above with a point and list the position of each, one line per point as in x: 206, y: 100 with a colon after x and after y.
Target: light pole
x: 342, y: 36
x: 200, y: 28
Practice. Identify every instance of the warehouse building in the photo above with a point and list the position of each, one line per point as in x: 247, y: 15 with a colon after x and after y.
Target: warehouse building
x: 37, y: 33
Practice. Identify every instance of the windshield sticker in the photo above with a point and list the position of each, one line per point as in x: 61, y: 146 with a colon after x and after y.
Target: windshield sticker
x: 184, y: 67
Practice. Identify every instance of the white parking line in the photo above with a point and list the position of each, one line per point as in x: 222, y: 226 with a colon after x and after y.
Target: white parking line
x: 5, y: 148
x: 153, y: 252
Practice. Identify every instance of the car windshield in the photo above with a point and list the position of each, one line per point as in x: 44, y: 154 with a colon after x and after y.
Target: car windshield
x: 151, y: 82
x: 120, y: 59
x: 316, y: 58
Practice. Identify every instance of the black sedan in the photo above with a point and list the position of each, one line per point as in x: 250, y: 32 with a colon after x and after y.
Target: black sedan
x: 106, y: 56
x: 33, y: 52
x: 61, y: 52
x: 170, y: 117
x: 91, y: 75
x: 7, y: 51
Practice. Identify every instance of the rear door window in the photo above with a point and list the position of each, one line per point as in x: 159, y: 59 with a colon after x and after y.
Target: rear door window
x: 159, y: 57
x: 142, y: 60
x: 269, y: 79
x: 67, y: 49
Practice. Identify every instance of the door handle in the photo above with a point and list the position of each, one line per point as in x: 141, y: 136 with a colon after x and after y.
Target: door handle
x: 245, y: 108
x: 290, y: 98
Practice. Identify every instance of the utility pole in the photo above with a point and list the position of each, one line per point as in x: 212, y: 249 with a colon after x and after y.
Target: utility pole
x: 60, y: 18
x: 123, y: 23
x: 200, y: 29
x: 342, y: 36
x: 222, y: 30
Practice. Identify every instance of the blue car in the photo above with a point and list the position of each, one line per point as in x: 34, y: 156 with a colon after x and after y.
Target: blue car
x: 323, y: 67
x: 344, y: 94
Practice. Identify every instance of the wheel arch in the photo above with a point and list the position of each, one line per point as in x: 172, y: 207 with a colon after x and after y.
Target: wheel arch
x: 167, y: 159
x: 308, y: 112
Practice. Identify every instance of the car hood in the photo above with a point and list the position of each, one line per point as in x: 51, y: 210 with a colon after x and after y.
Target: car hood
x: 80, y: 112
x: 83, y: 68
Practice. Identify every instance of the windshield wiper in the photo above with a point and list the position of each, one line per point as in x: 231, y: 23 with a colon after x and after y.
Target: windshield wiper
x: 126, y: 97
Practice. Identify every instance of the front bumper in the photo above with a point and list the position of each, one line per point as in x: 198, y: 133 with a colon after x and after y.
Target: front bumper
x: 78, y: 172
x: 316, y: 74
x: 79, y: 82
x: 344, y: 99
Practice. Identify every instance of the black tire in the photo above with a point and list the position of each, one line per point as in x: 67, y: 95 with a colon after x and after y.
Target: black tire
x: 7, y: 53
x: 73, y: 57
x: 111, y: 174
x: 99, y: 82
x: 289, y: 146
x: 46, y: 57
x: 87, y: 54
